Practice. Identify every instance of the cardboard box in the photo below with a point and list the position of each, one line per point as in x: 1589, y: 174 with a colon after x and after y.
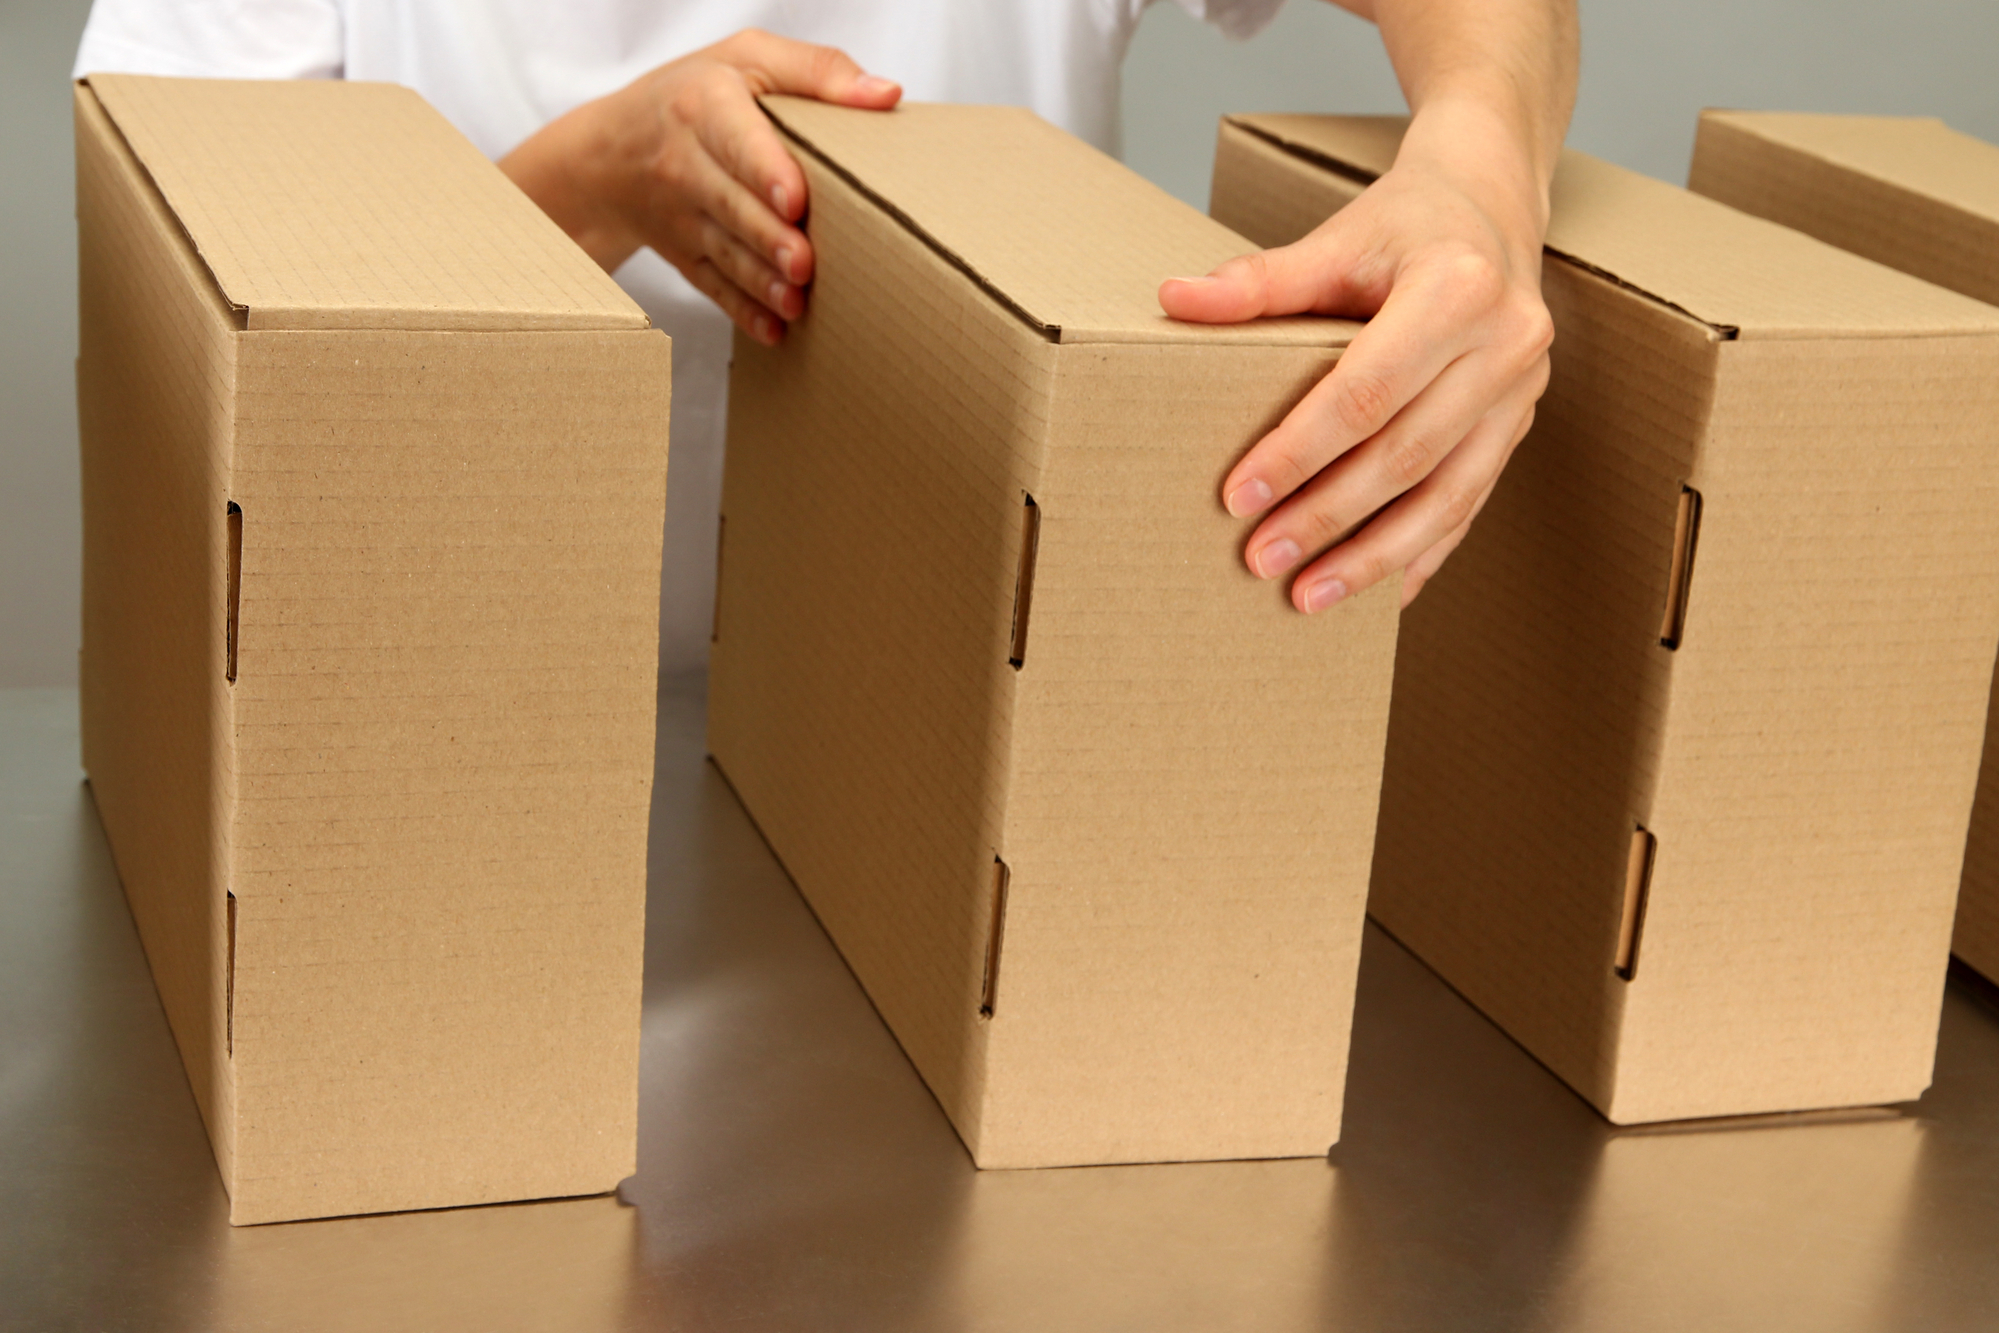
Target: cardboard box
x: 373, y: 483
x: 1685, y: 734
x: 1086, y: 807
x: 1917, y: 196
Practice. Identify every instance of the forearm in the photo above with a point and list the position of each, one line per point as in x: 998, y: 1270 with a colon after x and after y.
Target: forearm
x: 1491, y: 83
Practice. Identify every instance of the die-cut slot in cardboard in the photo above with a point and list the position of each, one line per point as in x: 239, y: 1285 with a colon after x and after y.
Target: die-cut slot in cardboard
x: 1920, y: 197
x: 234, y: 579
x: 1631, y: 921
x: 1023, y: 581
x: 995, y: 941
x: 984, y: 328
x: 1803, y: 759
x: 373, y: 482
x: 1679, y: 585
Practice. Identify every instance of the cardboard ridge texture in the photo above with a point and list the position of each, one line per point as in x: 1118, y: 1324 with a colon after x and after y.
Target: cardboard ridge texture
x: 1085, y: 806
x: 1917, y: 196
x: 373, y: 483
x: 1685, y: 734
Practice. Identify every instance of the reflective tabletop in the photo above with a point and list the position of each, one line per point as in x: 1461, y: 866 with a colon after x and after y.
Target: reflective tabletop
x: 794, y: 1174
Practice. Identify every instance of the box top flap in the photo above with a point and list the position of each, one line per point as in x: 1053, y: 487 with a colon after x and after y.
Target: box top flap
x: 1736, y: 273
x: 328, y: 204
x: 1916, y: 153
x: 1073, y: 242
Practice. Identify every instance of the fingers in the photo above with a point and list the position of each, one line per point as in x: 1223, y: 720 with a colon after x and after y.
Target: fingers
x: 781, y: 65
x: 748, y: 315
x: 1435, y: 513
x: 1432, y: 317
x: 733, y: 130
x: 742, y: 137
x: 1424, y: 566
x: 741, y: 266
x: 1342, y: 495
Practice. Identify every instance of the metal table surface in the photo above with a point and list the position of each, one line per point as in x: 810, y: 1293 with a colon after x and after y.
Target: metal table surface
x: 795, y: 1174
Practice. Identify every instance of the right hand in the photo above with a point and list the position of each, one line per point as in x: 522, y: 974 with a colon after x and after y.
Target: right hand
x: 683, y: 160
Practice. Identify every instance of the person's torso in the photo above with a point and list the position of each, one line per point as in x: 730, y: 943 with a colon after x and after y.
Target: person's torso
x: 500, y: 69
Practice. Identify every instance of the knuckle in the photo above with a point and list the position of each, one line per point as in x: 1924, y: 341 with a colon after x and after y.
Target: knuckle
x: 1406, y: 458
x: 1365, y: 570
x: 1362, y: 403
x: 1455, y: 506
x: 1474, y: 278
x: 824, y: 64
x: 1536, y: 326
x: 1323, y: 522
x: 1537, y: 377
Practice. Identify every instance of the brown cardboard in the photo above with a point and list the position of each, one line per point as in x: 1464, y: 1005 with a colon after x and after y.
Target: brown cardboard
x: 1109, y: 900
x: 1917, y: 196
x: 1769, y: 813
x: 364, y: 431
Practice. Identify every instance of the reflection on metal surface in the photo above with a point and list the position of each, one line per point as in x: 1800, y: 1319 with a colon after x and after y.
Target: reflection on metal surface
x: 1640, y: 1235
x: 794, y: 1173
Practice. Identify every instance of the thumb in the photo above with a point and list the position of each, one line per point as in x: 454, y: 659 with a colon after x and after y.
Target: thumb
x: 1289, y: 280
x: 780, y: 65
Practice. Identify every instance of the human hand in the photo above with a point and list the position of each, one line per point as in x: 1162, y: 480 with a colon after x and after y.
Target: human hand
x: 682, y: 159
x: 1385, y: 463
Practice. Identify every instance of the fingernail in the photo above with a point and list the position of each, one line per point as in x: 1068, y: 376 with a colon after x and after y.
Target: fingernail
x: 1277, y: 557
x: 1202, y: 281
x: 1252, y: 497
x: 784, y: 260
x: 777, y: 296
x: 780, y: 199
x: 1324, y: 593
x: 762, y: 326
x: 873, y: 85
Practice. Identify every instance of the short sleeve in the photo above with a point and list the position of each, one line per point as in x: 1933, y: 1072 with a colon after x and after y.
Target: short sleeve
x: 217, y: 39
x: 1236, y: 18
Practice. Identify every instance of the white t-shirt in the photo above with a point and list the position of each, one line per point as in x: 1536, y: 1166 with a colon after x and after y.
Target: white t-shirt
x: 501, y: 69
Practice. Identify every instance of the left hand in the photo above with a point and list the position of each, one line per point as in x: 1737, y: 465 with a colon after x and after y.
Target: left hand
x: 1385, y: 463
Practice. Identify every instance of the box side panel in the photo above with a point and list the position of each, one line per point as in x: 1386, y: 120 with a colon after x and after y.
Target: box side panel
x: 447, y: 673
x: 155, y: 388
x: 1919, y: 234
x: 1827, y: 717
x: 859, y: 690
x: 1269, y: 194
x: 1531, y: 687
x: 1868, y: 215
x: 1196, y: 775
x: 1976, y: 936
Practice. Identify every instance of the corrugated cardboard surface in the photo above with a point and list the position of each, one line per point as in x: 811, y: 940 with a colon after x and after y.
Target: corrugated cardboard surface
x: 1910, y: 193
x: 1916, y: 196
x: 330, y: 204
x: 1804, y: 758
x: 391, y: 880
x: 1184, y: 806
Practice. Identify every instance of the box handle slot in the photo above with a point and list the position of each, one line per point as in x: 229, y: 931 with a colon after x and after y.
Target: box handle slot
x: 995, y: 933
x: 1686, y: 533
x: 229, y: 985
x: 1637, y: 889
x: 1023, y: 581
x: 235, y: 588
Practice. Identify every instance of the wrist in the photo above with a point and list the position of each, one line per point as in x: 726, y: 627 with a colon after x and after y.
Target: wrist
x: 577, y: 169
x: 1492, y: 152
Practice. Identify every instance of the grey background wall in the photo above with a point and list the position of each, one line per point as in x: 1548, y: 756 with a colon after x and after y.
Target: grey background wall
x: 1648, y: 67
